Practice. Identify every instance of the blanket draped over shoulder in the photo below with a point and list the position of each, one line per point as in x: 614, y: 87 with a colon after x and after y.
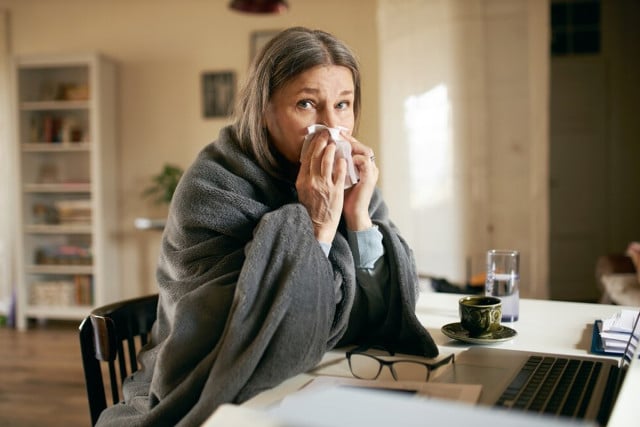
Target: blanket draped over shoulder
x: 247, y: 296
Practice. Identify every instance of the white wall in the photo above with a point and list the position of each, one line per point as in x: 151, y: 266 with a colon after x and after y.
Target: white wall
x: 467, y: 173
x: 161, y: 48
x: 424, y: 172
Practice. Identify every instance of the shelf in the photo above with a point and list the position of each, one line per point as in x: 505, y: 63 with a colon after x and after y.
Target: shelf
x: 54, y: 105
x: 51, y: 147
x: 65, y: 148
x: 149, y: 224
x: 77, y: 312
x: 60, y: 269
x: 59, y: 229
x: 81, y: 187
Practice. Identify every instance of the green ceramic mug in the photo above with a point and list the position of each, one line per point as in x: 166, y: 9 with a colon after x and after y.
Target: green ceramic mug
x: 480, y: 315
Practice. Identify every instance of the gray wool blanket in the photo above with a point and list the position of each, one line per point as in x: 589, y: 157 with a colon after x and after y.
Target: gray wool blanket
x: 248, y: 298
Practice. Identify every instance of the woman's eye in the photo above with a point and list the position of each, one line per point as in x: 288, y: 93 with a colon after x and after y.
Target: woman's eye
x: 343, y: 105
x: 305, y: 103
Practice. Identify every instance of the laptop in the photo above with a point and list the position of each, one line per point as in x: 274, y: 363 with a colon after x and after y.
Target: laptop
x: 567, y: 386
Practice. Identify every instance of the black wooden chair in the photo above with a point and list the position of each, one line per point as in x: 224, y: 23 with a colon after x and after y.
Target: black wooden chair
x: 111, y: 336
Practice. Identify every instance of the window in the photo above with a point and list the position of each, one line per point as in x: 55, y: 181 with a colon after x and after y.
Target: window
x: 575, y: 26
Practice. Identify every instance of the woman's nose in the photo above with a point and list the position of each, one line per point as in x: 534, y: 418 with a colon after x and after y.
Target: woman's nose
x: 329, y: 118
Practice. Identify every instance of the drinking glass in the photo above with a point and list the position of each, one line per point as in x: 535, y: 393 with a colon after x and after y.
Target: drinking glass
x: 503, y: 281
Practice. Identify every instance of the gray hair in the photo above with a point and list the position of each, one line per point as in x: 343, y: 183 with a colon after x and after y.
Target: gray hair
x: 290, y: 53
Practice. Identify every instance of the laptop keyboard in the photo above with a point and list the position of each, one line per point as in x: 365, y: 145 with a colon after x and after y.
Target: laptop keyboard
x: 552, y: 385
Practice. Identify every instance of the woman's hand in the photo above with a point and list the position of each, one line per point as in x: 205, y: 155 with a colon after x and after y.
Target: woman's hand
x: 358, y: 197
x: 320, y: 187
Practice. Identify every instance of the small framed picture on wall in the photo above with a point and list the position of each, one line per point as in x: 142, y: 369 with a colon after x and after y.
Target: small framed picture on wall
x: 259, y: 39
x: 218, y: 93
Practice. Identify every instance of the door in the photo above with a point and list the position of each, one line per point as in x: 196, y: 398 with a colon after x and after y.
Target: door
x: 578, y: 175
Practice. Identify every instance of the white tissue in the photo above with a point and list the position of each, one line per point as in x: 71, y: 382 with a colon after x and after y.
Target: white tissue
x: 343, y: 150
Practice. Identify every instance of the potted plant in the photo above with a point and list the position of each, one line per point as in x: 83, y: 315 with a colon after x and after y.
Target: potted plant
x: 164, y: 184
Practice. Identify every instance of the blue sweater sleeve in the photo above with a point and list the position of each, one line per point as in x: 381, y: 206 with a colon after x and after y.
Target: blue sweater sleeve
x: 372, y: 271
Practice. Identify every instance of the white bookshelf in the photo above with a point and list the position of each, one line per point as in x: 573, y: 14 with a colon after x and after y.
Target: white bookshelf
x: 66, y: 149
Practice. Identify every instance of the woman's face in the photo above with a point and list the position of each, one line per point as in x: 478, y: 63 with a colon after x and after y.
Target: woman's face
x: 323, y: 94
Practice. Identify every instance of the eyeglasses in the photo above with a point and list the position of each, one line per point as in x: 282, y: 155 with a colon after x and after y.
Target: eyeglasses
x: 368, y: 367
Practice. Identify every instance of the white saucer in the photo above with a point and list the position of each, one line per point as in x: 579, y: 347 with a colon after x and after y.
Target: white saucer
x: 457, y: 332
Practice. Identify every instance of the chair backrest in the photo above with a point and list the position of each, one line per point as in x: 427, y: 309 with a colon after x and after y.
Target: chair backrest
x: 111, y: 336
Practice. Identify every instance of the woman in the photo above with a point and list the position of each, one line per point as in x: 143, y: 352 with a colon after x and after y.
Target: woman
x: 267, y: 261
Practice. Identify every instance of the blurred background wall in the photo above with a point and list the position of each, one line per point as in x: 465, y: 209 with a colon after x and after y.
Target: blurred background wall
x: 474, y: 173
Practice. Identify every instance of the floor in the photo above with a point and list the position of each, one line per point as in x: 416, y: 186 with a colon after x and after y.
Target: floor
x: 41, y: 377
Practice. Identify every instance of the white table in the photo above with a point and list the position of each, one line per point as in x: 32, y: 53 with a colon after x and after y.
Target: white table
x: 549, y: 326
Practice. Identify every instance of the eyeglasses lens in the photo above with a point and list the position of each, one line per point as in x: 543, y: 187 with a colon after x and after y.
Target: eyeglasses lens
x: 364, y: 366
x: 409, y: 371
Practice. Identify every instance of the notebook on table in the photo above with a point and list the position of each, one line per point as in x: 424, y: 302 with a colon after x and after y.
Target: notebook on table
x: 568, y: 386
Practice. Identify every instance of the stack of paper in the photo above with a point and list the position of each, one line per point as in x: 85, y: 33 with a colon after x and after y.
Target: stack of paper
x: 615, y: 331
x: 339, y: 406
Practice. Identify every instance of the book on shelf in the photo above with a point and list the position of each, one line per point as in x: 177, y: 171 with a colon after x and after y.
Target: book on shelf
x: 54, y: 128
x: 63, y: 254
x: 77, y: 290
x: 74, y: 211
x: 84, y: 289
x: 610, y: 336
